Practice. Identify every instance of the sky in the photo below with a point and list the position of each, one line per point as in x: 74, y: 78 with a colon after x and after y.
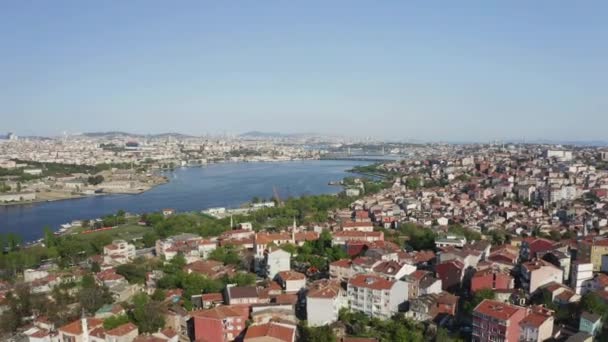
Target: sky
x: 424, y: 70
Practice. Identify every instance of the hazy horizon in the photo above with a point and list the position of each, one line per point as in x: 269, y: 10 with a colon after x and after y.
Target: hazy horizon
x: 473, y: 71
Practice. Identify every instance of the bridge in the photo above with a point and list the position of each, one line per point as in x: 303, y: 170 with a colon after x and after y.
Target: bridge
x: 362, y: 157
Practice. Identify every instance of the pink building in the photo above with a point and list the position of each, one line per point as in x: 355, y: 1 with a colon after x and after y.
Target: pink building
x: 221, y: 324
x: 497, y: 321
x: 491, y: 279
x: 535, y: 274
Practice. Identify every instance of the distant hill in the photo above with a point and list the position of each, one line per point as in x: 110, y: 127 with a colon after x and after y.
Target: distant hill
x: 259, y: 134
x: 118, y: 134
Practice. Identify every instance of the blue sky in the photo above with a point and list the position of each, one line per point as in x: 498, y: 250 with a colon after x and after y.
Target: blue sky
x: 451, y: 70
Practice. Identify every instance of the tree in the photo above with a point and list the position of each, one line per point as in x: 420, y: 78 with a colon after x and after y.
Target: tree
x: 147, y: 314
x: 50, y: 240
x: 317, y: 334
x: 135, y: 274
x: 479, y: 296
x: 92, y: 296
x: 95, y: 180
x: 13, y: 240
x: 159, y: 295
x: 412, y: 183
x: 95, y: 268
x: 593, y: 303
x: 115, y: 321
x: 149, y: 239
x: 227, y: 255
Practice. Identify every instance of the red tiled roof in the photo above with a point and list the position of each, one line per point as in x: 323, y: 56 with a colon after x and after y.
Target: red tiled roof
x: 219, y: 312
x: 213, y: 297
x: 534, y: 319
x: 324, y: 288
x: 274, y: 330
x: 75, y: 327
x: 371, y: 281
x: 291, y: 275
x: 344, y: 263
x: 286, y: 299
x: 497, y: 310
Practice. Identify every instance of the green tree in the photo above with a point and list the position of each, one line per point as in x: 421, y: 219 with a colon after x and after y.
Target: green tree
x: 227, y: 255
x: 478, y: 297
x: 593, y: 303
x: 115, y: 321
x: 134, y: 273
x: 50, y: 239
x: 13, y: 241
x: 95, y: 268
x: 147, y: 314
x: 92, y: 296
x: 317, y: 334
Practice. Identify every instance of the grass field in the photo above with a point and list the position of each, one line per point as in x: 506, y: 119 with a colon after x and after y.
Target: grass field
x: 126, y: 232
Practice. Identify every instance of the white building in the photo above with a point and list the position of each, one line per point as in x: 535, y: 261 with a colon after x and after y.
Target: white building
x: 291, y: 281
x: 30, y: 275
x: 559, y: 155
x: 451, y: 240
x: 537, y: 326
x: 324, y: 300
x: 581, y: 272
x: 277, y: 261
x: 118, y: 252
x: 376, y: 296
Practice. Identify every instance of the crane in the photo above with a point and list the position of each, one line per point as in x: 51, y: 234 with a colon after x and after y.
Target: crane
x: 277, y: 198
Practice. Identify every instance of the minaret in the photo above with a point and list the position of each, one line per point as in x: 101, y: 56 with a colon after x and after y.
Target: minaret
x: 293, y: 231
x: 231, y: 222
x: 85, y: 327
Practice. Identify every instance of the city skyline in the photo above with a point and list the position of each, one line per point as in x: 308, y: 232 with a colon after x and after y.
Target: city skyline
x: 399, y: 71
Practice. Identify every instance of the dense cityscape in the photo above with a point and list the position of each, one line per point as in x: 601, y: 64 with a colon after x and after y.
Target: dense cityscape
x: 303, y: 171
x: 481, y: 242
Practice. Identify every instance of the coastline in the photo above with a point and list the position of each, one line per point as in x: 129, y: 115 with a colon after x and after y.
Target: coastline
x: 141, y: 191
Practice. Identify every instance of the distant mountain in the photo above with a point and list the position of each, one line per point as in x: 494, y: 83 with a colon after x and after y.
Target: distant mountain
x: 109, y: 134
x: 118, y: 134
x: 259, y: 134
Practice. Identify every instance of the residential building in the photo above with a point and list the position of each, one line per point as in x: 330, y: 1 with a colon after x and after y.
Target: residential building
x: 341, y: 270
x: 340, y: 238
x: 118, y: 252
x: 124, y: 333
x: 493, y: 279
x: 581, y: 273
x: 221, y: 324
x: 451, y: 274
x: 537, y: 326
x: 79, y: 331
x: 593, y: 249
x: 535, y: 274
x: 291, y: 281
x: 324, y: 300
x: 497, y: 321
x: 451, y: 240
x: 276, y: 261
x: 242, y: 295
x: 427, y: 307
x: 271, y: 332
x: 376, y: 296
x: 590, y: 323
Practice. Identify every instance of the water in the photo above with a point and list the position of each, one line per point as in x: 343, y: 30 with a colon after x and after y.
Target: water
x: 189, y: 189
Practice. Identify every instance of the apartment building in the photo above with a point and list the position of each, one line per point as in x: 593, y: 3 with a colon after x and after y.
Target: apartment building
x: 376, y: 296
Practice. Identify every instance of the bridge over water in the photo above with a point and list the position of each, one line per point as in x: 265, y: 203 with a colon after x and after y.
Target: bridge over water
x: 371, y: 157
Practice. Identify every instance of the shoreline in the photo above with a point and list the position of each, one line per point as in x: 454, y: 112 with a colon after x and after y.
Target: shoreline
x: 234, y: 206
x: 138, y: 192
